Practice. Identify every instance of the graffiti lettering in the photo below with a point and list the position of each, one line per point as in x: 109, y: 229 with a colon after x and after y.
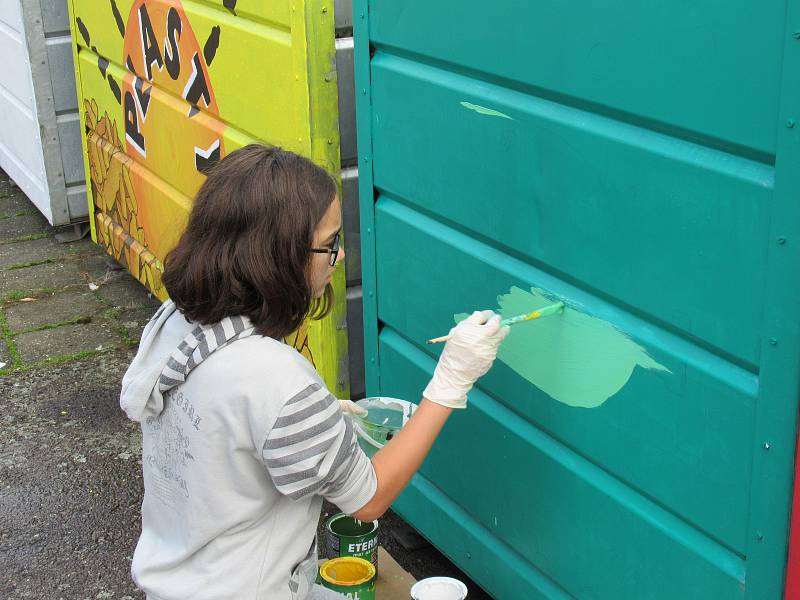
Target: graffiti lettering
x: 204, y: 159
x: 197, y: 87
x: 172, y: 55
x: 142, y: 96
x: 132, y: 132
x: 150, y: 52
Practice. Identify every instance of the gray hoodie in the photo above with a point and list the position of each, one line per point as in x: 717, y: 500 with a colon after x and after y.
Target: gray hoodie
x: 240, y: 442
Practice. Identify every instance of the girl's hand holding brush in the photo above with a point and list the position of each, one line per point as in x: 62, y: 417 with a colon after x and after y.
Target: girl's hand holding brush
x: 467, y: 355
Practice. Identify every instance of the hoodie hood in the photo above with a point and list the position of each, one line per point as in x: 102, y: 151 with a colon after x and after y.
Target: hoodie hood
x: 170, y: 348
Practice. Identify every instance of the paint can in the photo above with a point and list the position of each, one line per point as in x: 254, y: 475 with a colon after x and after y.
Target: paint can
x: 354, y: 577
x: 384, y: 419
x: 346, y: 536
x: 439, y: 588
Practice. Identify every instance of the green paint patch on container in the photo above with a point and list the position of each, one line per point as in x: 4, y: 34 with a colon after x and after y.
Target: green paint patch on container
x: 347, y: 536
x: 573, y: 357
x: 385, y: 418
x: 351, y: 576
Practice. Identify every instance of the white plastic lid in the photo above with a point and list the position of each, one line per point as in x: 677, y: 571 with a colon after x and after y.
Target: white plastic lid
x: 439, y: 588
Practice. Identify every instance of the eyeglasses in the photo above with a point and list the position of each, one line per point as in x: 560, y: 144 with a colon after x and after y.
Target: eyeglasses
x: 333, y: 250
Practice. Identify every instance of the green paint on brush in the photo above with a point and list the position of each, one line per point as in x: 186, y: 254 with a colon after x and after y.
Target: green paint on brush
x: 536, y: 314
x: 574, y: 358
x: 482, y: 110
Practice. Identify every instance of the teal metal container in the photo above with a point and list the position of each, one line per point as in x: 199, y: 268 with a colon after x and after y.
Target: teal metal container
x: 639, y: 162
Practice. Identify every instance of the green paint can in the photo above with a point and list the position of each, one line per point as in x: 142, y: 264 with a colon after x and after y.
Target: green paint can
x: 351, y: 576
x: 346, y: 536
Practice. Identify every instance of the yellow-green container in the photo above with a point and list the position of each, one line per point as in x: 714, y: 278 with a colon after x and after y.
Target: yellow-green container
x: 166, y: 88
x: 351, y: 576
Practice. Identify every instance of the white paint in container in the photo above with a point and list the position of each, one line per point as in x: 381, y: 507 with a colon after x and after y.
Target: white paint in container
x: 439, y: 588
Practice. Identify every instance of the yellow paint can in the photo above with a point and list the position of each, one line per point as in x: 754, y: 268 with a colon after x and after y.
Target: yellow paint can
x: 351, y: 576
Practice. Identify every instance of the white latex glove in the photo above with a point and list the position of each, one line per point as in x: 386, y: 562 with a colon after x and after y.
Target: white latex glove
x: 467, y: 355
x: 351, y: 408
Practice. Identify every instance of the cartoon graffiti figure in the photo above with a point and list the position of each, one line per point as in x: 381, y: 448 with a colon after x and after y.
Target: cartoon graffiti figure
x: 170, y: 117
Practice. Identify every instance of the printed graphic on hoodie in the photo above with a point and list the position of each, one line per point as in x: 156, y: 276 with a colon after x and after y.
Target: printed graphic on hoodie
x: 168, y: 457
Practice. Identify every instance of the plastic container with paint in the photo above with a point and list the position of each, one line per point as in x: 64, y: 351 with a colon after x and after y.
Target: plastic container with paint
x: 439, y: 588
x: 346, y: 536
x: 351, y: 576
x: 385, y: 417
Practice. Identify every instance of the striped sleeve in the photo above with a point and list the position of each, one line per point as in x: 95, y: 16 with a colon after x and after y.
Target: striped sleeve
x: 312, y: 450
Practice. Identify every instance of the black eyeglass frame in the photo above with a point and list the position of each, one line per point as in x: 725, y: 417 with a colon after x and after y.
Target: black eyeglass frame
x: 333, y: 250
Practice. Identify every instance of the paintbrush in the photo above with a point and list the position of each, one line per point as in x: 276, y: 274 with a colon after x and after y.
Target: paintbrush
x: 535, y: 314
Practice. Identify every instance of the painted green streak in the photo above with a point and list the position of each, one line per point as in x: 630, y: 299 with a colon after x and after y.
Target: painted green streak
x: 482, y: 110
x: 574, y: 358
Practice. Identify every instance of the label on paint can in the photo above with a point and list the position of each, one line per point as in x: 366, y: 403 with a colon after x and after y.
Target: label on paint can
x: 346, y: 536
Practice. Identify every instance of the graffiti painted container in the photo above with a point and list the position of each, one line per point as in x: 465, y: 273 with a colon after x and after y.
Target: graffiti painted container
x: 168, y: 87
x: 40, y: 136
x: 619, y: 158
x: 351, y: 576
x: 346, y: 536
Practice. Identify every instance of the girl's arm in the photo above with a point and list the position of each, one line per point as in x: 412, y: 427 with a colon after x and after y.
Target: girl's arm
x: 468, y: 354
x: 399, y: 459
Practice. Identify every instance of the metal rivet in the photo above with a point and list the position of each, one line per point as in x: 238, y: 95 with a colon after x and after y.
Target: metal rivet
x: 796, y: 35
x: 330, y: 142
x: 759, y: 536
x: 781, y: 240
x: 469, y: 555
x: 370, y: 294
x: 369, y: 230
x: 362, y: 15
x: 766, y: 445
x: 372, y: 360
x: 790, y: 123
x: 773, y: 341
x: 324, y: 9
x: 327, y: 78
x: 364, y: 91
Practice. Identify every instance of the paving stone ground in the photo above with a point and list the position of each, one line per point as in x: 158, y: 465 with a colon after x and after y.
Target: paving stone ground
x: 70, y: 469
x: 69, y: 305
x: 70, y: 461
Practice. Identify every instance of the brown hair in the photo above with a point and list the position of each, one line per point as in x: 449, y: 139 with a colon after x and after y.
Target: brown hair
x: 245, y: 250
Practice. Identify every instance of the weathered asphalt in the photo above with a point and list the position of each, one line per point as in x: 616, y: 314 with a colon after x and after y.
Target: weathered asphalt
x: 70, y: 462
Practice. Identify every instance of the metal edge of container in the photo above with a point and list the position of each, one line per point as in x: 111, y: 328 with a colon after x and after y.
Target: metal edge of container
x: 53, y: 176
x: 53, y: 129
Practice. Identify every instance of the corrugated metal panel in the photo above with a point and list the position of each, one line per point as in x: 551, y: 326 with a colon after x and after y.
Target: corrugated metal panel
x: 355, y: 313
x: 344, y: 17
x: 37, y: 84
x: 55, y: 15
x: 349, y: 177
x: 347, y: 107
x: 59, y: 57
x: 352, y: 225
x: 577, y: 152
x: 69, y: 133
x: 216, y: 77
x: 355, y: 335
